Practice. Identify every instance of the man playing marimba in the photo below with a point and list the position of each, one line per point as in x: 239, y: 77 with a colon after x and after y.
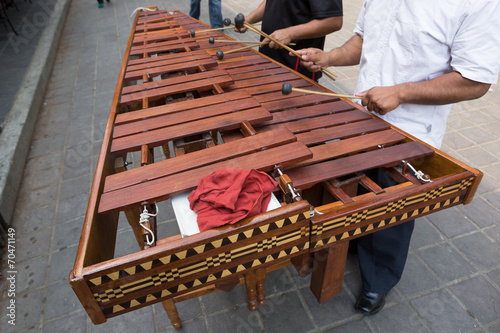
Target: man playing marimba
x: 415, y: 59
x: 306, y: 23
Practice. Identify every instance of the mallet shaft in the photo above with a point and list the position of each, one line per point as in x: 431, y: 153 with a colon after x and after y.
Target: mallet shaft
x: 325, y: 93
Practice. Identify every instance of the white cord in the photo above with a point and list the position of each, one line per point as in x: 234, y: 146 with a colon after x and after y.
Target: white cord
x: 419, y: 174
x: 144, y: 218
x: 142, y: 8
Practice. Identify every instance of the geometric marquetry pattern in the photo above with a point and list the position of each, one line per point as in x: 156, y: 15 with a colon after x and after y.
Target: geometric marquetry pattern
x: 391, y: 207
x: 110, y: 294
x: 211, y: 262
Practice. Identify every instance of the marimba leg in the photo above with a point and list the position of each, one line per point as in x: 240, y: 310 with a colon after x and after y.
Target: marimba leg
x: 173, y: 315
x: 261, y: 285
x: 251, y: 288
x: 328, y: 272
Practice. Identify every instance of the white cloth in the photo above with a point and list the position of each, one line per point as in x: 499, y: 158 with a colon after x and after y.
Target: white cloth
x: 412, y: 41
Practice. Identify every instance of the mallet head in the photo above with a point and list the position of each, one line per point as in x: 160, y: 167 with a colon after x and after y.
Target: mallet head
x: 286, y: 89
x: 220, y: 55
x: 192, y: 33
x: 227, y: 22
x: 239, y: 20
x: 211, y: 40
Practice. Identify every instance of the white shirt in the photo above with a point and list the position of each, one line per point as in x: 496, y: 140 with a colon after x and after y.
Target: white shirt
x: 417, y: 40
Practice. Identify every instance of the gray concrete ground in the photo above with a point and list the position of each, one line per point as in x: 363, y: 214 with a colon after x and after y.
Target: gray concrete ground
x: 452, y: 279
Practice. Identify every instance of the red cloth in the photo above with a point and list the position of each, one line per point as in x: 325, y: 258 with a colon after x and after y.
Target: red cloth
x: 229, y: 195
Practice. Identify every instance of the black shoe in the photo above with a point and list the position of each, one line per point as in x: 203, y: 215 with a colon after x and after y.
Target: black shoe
x: 370, y: 303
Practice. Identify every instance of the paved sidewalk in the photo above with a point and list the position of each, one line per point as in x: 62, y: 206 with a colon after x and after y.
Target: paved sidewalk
x: 451, y: 282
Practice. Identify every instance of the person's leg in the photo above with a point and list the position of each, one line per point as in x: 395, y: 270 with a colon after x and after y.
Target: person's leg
x: 215, y: 12
x: 194, y: 12
x: 382, y: 257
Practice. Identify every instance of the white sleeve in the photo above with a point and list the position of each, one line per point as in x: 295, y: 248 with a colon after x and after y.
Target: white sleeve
x: 475, y: 49
x: 359, y: 28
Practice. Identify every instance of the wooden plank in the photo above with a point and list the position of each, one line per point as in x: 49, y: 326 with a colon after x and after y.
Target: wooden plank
x: 213, y: 100
x: 156, y: 70
x: 352, y: 145
x: 160, y: 136
x: 173, y: 81
x: 163, y: 35
x: 326, y: 121
x: 177, y: 47
x: 199, y: 158
x: 281, y: 102
x: 344, y: 131
x: 184, y: 117
x: 310, y: 175
x: 168, y: 57
x: 308, y: 111
x: 147, y: 47
x: 164, y: 188
x: 200, y: 85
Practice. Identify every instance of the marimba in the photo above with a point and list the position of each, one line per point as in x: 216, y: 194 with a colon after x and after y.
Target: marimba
x: 186, y: 113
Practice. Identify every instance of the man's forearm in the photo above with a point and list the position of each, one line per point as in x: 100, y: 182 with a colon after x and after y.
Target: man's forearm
x: 348, y: 54
x: 445, y: 89
x: 316, y: 28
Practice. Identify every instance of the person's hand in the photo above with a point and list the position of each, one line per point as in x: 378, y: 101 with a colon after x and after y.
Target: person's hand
x: 381, y: 100
x: 283, y: 36
x: 313, y: 59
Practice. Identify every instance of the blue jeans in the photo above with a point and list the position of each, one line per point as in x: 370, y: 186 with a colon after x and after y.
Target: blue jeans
x: 214, y: 11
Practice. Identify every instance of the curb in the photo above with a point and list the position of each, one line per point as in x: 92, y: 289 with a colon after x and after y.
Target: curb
x: 15, y: 139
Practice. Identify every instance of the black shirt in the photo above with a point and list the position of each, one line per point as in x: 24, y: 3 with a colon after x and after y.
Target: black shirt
x: 280, y: 14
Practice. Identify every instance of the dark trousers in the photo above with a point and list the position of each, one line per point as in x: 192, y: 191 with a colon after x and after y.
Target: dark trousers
x: 382, y: 254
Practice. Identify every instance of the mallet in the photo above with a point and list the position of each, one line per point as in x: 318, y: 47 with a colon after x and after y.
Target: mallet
x: 287, y: 89
x: 220, y: 54
x: 239, y: 22
x: 212, y: 40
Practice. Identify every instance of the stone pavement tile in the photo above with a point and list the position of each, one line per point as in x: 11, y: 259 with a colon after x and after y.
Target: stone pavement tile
x: 75, y: 187
x: 446, y: 262
x: 492, y: 170
x: 47, y: 145
x: 61, y: 300
x: 488, y: 184
x: 278, y: 281
x: 417, y: 278
x: 78, y: 153
x: 482, y: 252
x: 222, y: 300
x: 451, y: 223
x: 75, y: 323
x: 67, y: 234
x: 478, y: 135
x: 28, y: 201
x: 45, y: 177
x: 140, y: 320
x: 442, y: 312
x: 475, y: 211
x: 125, y: 243
x: 76, y: 169
x: 480, y: 298
x: 28, y: 306
x: 339, y: 308
x: 355, y: 326
x: 478, y: 156
x: 492, y: 147
x: 400, y: 318
x: 72, y: 208
x: 494, y: 233
x: 424, y: 234
x: 33, y: 245
x: 240, y: 319
x: 61, y: 264
x: 285, y: 313
x: 77, y: 137
x: 457, y: 122
x: 455, y: 140
x: 48, y: 161
x: 31, y: 273
x: 495, y: 328
x: 188, y: 310
x: 495, y: 277
x: 38, y: 219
